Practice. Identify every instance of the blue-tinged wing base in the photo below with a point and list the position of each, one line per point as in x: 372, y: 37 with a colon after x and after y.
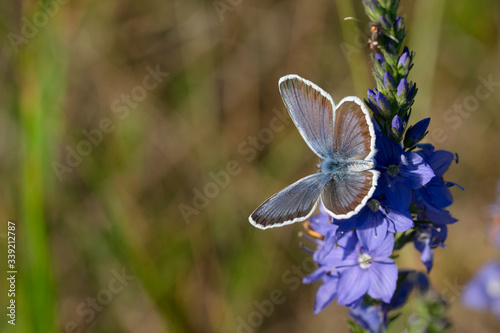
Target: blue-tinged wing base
x: 293, y: 204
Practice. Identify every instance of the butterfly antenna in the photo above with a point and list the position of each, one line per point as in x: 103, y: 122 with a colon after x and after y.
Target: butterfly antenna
x: 352, y: 18
x: 391, y: 37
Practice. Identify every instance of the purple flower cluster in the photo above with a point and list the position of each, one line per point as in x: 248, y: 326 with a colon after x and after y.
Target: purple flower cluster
x: 355, y: 256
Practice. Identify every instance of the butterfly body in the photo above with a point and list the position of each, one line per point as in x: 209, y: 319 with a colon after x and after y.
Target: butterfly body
x: 344, y: 138
x: 339, y: 165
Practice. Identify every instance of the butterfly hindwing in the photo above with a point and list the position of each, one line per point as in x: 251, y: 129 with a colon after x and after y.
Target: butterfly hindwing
x: 293, y: 204
x: 346, y: 193
x: 312, y: 110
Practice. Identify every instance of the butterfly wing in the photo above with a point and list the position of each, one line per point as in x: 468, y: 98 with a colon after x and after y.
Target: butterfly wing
x: 353, y: 131
x: 311, y: 109
x: 293, y: 204
x: 346, y: 193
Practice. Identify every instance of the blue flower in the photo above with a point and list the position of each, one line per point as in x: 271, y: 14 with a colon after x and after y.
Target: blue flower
x: 397, y: 125
x: 416, y: 133
x: 428, y: 238
x: 407, y: 281
x: 400, y: 172
x: 374, y: 221
x: 404, y: 59
x: 362, y: 271
x: 378, y: 103
x: 402, y: 89
x: 435, y: 195
x: 349, y: 271
x: 372, y: 318
x: 389, y: 81
x: 380, y: 58
x: 326, y: 292
x: 323, y: 257
x: 483, y: 291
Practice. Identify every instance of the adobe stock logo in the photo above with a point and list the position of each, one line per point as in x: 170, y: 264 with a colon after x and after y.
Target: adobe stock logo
x: 247, y: 149
x: 463, y: 109
x: 121, y: 109
x: 263, y: 309
x: 39, y: 20
x: 89, y: 310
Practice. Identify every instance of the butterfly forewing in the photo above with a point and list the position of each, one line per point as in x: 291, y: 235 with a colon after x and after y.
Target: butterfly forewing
x: 346, y: 193
x: 353, y: 133
x: 294, y: 203
x: 311, y: 109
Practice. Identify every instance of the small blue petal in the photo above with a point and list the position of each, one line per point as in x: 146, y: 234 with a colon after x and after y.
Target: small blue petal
x: 388, y: 151
x: 398, y: 23
x: 416, y: 171
x: 382, y: 102
x: 404, y: 58
x: 373, y: 230
x: 349, y: 292
x: 380, y: 58
x: 315, y: 276
x: 398, y: 192
x: 440, y: 161
x: 389, y: 81
x: 426, y: 253
x: 326, y: 293
x: 385, y: 249
x: 383, y: 279
x: 416, y: 132
x: 399, y: 220
x: 372, y: 318
x: 402, y: 88
x: 408, y: 280
x: 397, y: 124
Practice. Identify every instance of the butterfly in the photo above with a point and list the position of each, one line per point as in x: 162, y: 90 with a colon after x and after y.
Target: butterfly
x: 343, y: 137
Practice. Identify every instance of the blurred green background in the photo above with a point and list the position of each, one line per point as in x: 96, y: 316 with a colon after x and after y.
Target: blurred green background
x: 102, y: 244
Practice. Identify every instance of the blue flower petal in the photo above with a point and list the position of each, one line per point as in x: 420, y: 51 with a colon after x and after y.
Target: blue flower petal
x: 383, y: 278
x: 315, y: 276
x: 426, y: 253
x: 353, y: 285
x: 373, y: 231
x: 408, y: 280
x: 399, y: 221
x: 436, y: 215
x: 380, y: 58
x: 402, y: 88
x: 397, y: 125
x: 440, y: 161
x: 388, y: 151
x: 416, y: 132
x: 416, y: 171
x: 385, y: 249
x: 371, y: 318
x: 337, y: 252
x: 404, y: 58
x: 326, y: 293
x: 399, y: 193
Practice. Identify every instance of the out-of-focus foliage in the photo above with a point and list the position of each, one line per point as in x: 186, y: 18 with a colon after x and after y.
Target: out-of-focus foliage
x: 77, y: 69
